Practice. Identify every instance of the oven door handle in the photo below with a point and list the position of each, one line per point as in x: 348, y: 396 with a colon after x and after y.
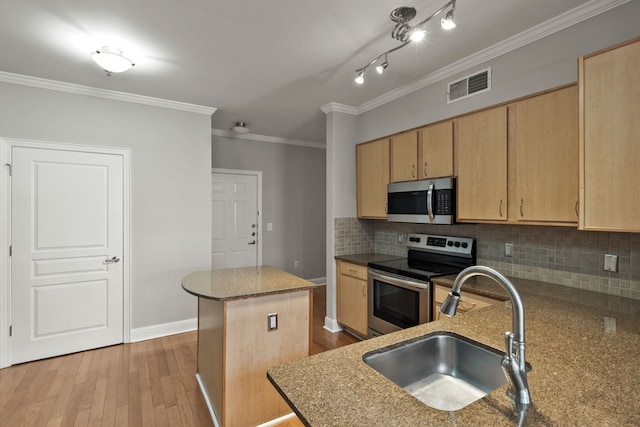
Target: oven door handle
x: 403, y: 283
x: 430, y: 202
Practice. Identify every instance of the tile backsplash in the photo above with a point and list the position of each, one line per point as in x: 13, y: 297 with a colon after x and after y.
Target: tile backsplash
x: 560, y: 255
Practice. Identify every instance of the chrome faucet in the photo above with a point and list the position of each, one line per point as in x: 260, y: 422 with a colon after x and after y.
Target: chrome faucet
x: 514, y: 362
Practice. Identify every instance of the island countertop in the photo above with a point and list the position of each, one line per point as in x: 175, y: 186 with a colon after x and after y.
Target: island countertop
x: 582, y: 374
x: 245, y: 282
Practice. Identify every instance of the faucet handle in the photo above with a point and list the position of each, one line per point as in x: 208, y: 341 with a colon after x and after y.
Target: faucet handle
x: 508, y: 343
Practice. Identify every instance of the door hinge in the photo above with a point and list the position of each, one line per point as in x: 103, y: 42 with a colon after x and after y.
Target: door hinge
x: 10, y: 250
x: 10, y: 330
x: 10, y: 168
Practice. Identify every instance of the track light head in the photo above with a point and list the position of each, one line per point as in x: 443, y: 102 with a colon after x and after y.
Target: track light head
x: 447, y: 22
x: 360, y: 78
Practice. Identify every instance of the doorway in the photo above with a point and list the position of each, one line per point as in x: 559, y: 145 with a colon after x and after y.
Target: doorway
x: 236, y: 197
x: 66, y: 222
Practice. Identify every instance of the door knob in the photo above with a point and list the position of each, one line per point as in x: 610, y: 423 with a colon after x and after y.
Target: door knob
x: 253, y: 242
x: 113, y: 260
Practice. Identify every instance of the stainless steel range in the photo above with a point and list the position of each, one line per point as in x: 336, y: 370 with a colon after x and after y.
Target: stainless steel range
x: 400, y: 291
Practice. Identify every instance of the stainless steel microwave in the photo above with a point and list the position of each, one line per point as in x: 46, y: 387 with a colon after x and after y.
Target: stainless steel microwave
x: 428, y: 201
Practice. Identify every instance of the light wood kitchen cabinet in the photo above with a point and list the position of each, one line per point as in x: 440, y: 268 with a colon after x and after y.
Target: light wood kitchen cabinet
x: 468, y: 301
x: 435, y: 150
x: 404, y: 156
x: 351, y: 298
x: 372, y: 177
x: 610, y: 139
x: 546, y: 157
x: 482, y: 165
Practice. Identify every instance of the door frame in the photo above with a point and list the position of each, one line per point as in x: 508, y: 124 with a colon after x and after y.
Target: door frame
x: 259, y: 190
x: 6, y: 144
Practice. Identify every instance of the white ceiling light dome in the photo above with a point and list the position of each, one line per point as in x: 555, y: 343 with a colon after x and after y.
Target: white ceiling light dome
x: 111, y: 60
x: 240, y: 128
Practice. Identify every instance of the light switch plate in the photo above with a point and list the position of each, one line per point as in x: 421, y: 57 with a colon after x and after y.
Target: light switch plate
x: 611, y: 263
x: 508, y: 249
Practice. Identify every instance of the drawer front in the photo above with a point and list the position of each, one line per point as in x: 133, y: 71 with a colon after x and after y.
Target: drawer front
x: 353, y: 270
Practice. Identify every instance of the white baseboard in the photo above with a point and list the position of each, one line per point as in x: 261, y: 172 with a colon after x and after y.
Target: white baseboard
x: 157, y: 331
x: 331, y: 325
x: 277, y: 420
x: 206, y: 399
x: 319, y: 281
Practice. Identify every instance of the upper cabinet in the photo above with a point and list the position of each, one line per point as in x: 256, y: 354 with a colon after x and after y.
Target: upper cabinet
x: 546, y: 157
x: 404, y: 156
x: 518, y: 163
x: 372, y: 177
x: 423, y: 153
x: 482, y: 165
x: 435, y: 150
x: 610, y: 139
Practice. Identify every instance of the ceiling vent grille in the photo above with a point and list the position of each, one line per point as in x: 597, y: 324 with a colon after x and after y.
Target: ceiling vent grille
x: 469, y: 86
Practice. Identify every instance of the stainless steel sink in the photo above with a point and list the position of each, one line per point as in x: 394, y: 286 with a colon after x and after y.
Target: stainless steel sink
x: 444, y: 370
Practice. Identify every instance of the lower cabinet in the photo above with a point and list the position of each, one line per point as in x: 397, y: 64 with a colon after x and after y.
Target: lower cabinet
x: 351, y: 296
x: 468, y: 301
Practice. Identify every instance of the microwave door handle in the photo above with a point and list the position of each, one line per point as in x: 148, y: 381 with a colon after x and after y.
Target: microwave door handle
x: 430, y: 202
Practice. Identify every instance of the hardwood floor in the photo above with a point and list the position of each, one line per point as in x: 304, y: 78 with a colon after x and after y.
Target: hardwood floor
x: 149, y: 383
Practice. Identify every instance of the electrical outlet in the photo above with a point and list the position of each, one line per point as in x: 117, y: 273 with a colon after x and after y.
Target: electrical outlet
x: 272, y: 321
x: 611, y: 263
x: 269, y: 226
x: 400, y: 238
x: 508, y: 249
x: 296, y: 264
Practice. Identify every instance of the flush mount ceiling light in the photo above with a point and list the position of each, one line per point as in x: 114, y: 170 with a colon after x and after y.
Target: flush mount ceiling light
x: 406, y: 33
x: 111, y: 60
x: 240, y: 128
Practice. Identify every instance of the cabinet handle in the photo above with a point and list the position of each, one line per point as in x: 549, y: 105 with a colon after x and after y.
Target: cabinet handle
x: 521, y: 204
x: 500, y: 208
x: 424, y: 169
x: 413, y: 171
x: 351, y: 270
x: 364, y: 290
x: 577, y: 214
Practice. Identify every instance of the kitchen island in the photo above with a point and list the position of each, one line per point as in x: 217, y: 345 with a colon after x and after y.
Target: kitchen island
x: 249, y: 319
x: 582, y: 374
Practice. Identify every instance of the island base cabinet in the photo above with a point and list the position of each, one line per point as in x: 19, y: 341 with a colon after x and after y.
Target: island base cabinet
x: 235, y: 349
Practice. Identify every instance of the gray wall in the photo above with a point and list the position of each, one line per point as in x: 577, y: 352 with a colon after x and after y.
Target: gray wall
x: 293, y: 199
x: 170, y: 183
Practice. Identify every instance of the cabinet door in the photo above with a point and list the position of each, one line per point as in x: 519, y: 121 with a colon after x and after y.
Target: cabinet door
x: 482, y: 165
x: 372, y: 177
x: 435, y: 150
x: 546, y: 145
x: 610, y: 140
x: 404, y: 156
x: 352, y: 301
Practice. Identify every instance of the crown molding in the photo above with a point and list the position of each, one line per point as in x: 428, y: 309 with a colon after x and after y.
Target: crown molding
x: 558, y: 23
x: 58, y: 86
x: 266, y: 138
x: 334, y: 107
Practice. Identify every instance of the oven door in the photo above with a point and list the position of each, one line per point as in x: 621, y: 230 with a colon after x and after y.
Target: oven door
x: 396, y: 303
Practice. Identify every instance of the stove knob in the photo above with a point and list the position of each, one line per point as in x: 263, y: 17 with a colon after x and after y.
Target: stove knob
x: 449, y: 243
x: 456, y: 244
x: 465, y: 244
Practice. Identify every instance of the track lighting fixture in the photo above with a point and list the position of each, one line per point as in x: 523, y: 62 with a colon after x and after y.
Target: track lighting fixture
x: 405, y: 33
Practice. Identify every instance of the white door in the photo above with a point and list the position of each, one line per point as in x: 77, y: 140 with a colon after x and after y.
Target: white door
x: 235, y: 220
x: 67, y: 241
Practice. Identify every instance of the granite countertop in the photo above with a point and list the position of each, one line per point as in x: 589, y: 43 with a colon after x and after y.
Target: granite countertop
x: 246, y: 282
x: 366, y: 258
x: 581, y: 374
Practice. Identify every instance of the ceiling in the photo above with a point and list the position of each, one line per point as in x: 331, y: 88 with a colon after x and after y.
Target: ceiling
x: 272, y: 64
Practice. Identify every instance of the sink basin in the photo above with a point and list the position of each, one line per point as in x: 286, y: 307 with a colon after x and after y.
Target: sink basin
x: 444, y: 370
